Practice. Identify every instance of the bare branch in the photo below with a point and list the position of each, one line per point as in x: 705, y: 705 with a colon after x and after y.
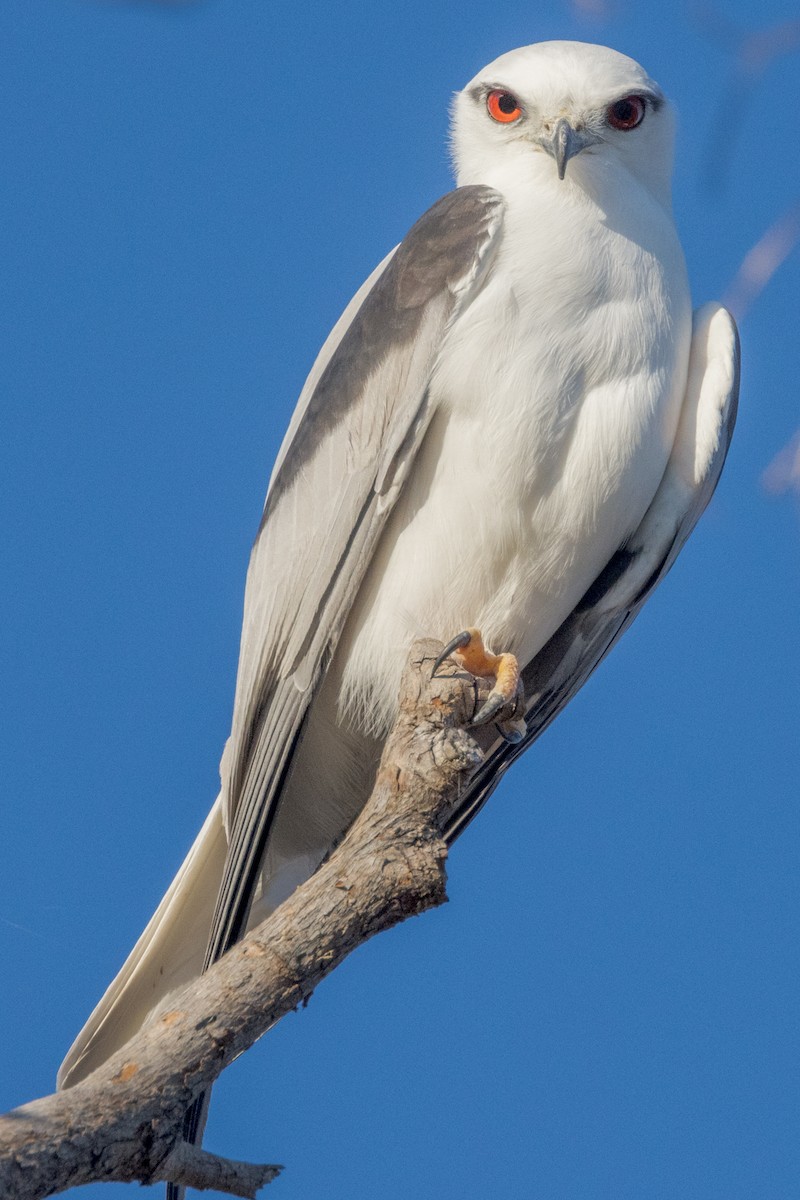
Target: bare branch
x: 752, y: 54
x: 762, y: 261
x: 157, y: 3
x: 592, y: 10
x: 190, y: 1166
x: 124, y: 1121
x: 783, y: 473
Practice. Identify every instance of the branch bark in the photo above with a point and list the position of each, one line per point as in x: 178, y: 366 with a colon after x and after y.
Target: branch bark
x: 123, y: 1123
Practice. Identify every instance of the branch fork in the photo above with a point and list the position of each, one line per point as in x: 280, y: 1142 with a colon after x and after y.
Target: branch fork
x: 123, y: 1123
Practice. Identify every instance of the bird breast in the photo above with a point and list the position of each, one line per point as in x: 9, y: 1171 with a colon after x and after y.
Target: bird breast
x: 557, y: 395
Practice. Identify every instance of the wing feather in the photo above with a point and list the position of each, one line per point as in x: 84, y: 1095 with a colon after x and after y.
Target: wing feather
x: 338, y: 476
x: 616, y: 597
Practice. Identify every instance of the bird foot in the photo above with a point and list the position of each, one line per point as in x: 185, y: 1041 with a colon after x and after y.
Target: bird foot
x: 505, y: 704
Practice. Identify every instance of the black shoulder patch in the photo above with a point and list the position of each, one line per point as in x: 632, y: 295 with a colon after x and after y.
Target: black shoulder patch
x: 438, y: 252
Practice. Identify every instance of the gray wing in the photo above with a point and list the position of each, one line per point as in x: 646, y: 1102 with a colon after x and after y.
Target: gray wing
x: 358, y: 427
x: 616, y: 597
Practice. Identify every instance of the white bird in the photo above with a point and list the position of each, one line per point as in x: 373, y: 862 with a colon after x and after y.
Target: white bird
x: 514, y: 426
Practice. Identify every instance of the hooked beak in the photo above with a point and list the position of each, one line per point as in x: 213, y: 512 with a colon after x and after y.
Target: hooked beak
x: 565, y: 143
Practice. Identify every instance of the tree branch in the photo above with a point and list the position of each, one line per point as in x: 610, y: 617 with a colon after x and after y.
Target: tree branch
x: 191, y: 1166
x: 123, y: 1122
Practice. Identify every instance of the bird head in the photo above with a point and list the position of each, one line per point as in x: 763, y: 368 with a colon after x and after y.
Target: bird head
x: 573, y: 109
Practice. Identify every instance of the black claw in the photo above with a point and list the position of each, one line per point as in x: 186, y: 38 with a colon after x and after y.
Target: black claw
x: 489, y: 709
x: 458, y: 643
x: 509, y: 734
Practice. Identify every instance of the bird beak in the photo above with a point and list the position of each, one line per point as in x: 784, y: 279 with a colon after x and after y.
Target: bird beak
x: 565, y: 143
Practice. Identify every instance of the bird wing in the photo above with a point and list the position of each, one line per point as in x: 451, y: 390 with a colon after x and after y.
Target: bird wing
x: 359, y: 424
x: 356, y: 429
x: 614, y: 600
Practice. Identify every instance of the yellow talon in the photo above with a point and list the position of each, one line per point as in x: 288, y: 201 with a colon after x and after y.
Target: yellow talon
x: 475, y: 658
x: 470, y: 652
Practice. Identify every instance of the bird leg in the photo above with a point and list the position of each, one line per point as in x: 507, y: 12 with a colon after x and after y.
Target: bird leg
x: 505, y: 704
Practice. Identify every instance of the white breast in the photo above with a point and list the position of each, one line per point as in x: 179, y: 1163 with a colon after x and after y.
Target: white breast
x: 557, y: 393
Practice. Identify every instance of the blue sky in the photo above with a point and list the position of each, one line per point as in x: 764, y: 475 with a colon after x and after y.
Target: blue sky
x: 608, y: 1006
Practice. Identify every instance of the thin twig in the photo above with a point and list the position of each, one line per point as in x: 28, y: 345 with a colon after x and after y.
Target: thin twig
x: 762, y: 261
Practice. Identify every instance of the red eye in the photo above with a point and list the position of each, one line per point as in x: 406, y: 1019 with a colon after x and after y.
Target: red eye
x: 503, y: 107
x: 626, y: 113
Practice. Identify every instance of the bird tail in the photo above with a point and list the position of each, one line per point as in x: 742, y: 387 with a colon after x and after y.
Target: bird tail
x: 169, y: 953
x: 194, y: 1124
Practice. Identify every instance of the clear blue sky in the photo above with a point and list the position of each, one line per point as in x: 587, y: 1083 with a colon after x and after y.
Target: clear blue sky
x: 607, y: 1009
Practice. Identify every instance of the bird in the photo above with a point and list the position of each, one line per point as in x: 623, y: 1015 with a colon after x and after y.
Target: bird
x: 503, y: 444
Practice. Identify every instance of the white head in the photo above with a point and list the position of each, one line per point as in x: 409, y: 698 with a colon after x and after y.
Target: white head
x: 577, y: 109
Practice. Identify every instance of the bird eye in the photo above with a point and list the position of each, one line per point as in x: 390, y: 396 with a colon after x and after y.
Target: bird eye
x: 626, y: 113
x: 503, y: 107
